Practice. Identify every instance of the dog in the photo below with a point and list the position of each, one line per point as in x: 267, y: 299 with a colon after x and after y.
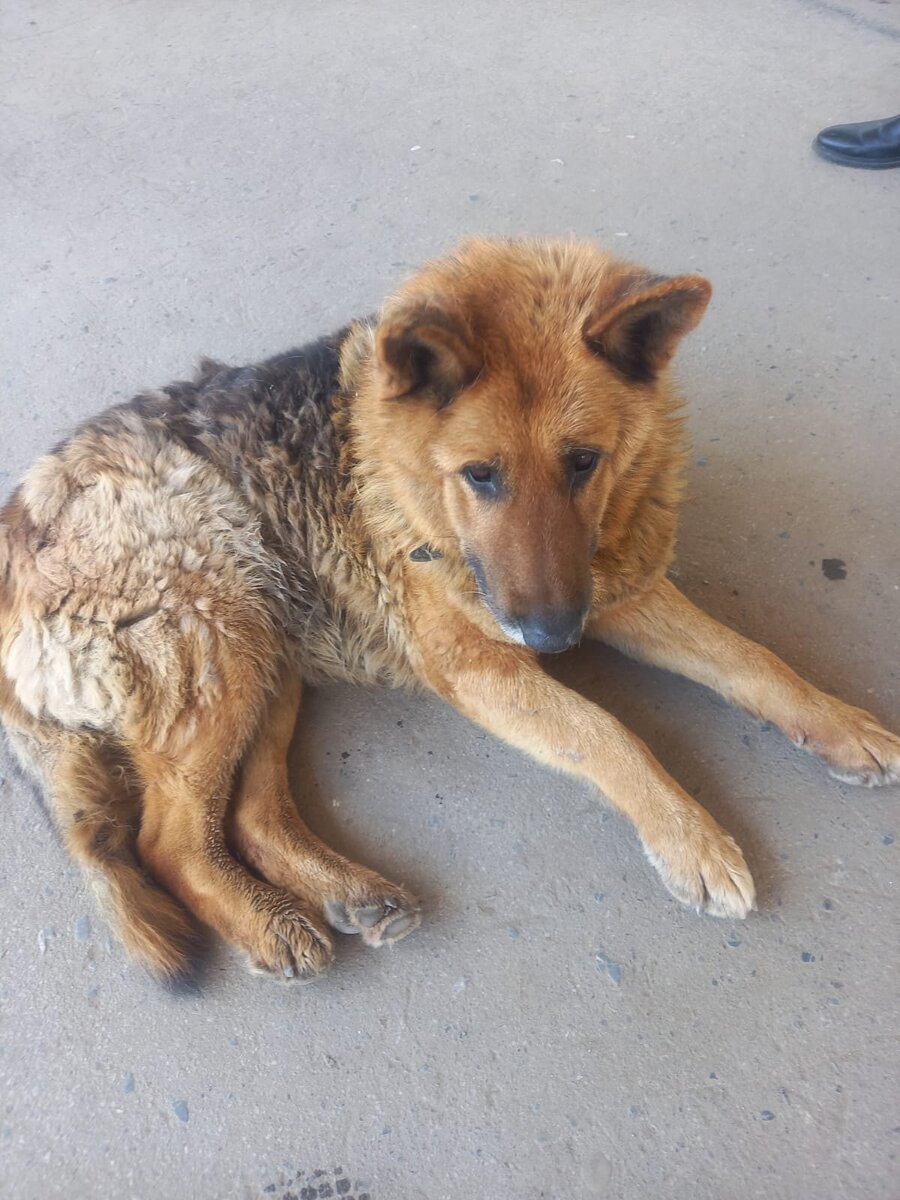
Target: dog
x: 488, y: 472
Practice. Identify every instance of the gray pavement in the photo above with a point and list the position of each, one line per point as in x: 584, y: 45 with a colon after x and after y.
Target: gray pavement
x: 231, y: 178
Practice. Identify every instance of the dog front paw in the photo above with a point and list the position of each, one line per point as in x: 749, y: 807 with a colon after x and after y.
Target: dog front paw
x: 703, y: 866
x: 854, y: 746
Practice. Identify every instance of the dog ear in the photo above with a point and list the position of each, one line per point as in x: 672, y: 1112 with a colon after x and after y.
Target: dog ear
x: 424, y: 347
x: 639, y: 332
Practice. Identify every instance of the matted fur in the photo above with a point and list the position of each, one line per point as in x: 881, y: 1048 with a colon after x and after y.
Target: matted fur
x: 173, y: 571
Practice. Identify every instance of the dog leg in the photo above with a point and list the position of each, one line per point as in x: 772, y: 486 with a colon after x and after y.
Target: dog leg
x: 96, y: 808
x: 503, y: 689
x: 269, y: 835
x: 664, y: 628
x: 182, y: 842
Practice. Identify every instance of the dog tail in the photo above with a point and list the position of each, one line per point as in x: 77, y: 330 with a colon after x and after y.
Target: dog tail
x: 96, y: 802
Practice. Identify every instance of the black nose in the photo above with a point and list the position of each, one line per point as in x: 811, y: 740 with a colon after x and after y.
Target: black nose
x: 552, y: 630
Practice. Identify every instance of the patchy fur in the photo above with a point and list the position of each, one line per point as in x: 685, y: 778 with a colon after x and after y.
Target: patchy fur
x: 491, y: 469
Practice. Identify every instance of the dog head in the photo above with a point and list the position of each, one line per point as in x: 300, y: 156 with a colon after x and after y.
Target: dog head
x: 518, y: 384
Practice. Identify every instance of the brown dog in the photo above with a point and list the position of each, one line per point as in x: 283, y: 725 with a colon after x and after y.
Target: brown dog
x: 492, y: 471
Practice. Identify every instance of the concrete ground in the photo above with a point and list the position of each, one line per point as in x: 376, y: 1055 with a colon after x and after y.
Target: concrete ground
x: 231, y: 178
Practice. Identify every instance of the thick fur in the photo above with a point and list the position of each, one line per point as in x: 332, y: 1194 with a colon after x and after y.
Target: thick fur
x: 173, y: 572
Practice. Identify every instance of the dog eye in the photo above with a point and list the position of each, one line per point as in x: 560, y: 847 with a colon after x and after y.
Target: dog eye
x: 482, y: 477
x: 583, y: 462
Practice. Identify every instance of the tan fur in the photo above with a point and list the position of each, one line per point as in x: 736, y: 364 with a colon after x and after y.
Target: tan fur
x: 171, y: 574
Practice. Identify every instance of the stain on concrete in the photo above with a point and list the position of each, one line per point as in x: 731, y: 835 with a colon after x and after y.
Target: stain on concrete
x: 180, y: 1109
x: 609, y: 967
x: 83, y: 929
x: 321, y: 1185
x: 834, y: 568
x: 128, y: 1085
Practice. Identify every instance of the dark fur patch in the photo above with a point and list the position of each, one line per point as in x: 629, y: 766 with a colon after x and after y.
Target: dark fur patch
x: 286, y: 401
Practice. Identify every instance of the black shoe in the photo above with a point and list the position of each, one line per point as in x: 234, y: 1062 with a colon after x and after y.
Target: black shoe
x: 870, y: 144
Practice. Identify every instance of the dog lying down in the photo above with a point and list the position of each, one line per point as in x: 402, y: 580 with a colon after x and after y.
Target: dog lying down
x: 490, y: 471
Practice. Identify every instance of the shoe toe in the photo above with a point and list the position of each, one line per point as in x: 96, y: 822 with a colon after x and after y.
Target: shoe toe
x: 838, y: 137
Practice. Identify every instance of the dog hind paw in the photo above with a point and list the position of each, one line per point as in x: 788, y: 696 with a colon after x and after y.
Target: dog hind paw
x: 380, y: 919
x: 291, y: 949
